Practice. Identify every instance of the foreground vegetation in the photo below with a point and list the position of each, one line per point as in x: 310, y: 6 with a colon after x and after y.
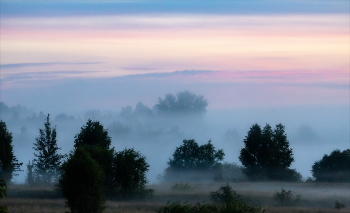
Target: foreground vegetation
x: 314, y: 197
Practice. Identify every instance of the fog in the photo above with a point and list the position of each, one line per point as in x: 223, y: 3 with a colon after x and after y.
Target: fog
x: 311, y: 130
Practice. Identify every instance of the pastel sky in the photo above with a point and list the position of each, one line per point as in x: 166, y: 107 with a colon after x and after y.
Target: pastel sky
x: 300, y: 48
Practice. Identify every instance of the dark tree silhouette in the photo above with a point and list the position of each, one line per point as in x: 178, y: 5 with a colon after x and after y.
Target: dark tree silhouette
x: 30, y: 179
x: 9, y: 164
x: 193, y: 162
x: 130, y: 169
x: 191, y: 156
x: 82, y: 183
x: 266, y: 155
x: 184, y: 102
x: 333, y: 168
x: 93, y: 134
x: 47, y: 159
x: 125, y: 172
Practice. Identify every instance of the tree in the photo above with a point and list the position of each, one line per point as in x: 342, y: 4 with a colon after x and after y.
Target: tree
x: 184, y: 102
x: 333, y: 168
x: 9, y: 164
x: 48, y: 160
x: 94, y: 138
x: 266, y: 155
x: 130, y: 169
x: 192, y: 156
x: 125, y: 172
x: 93, y: 133
x: 82, y: 183
x: 30, y: 179
x: 192, y: 159
x: 104, y: 157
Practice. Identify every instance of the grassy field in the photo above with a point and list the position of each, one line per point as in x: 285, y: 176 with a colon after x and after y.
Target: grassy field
x: 315, y: 197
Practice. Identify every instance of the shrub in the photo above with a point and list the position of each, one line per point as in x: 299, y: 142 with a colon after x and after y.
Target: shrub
x: 285, y: 198
x: 225, y: 200
x: 182, y: 187
x: 339, y: 205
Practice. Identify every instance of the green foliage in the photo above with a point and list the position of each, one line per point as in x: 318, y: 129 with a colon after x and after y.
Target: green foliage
x: 130, y: 167
x: 184, y: 102
x: 224, y: 195
x: 125, y: 171
x: 225, y: 200
x: 333, y: 168
x: 339, y: 205
x: 3, y: 188
x: 182, y: 187
x: 266, y: 155
x: 82, y: 183
x: 285, y: 198
x: 92, y: 134
x: 8, y: 161
x: 190, y: 158
x: 48, y: 160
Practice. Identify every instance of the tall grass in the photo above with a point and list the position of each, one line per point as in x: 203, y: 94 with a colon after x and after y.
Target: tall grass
x: 315, y: 197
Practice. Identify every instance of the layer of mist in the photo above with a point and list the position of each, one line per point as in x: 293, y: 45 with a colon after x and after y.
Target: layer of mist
x: 312, y: 131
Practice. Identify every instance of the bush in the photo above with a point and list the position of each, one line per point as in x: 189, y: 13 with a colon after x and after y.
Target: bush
x: 285, y: 198
x: 182, y: 187
x: 225, y: 200
x: 339, y: 205
x: 82, y: 183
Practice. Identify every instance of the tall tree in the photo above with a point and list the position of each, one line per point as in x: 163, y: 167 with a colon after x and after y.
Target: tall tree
x: 8, y: 161
x: 93, y: 134
x: 266, y: 155
x: 48, y: 160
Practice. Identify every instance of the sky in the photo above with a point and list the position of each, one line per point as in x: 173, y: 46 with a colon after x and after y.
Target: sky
x: 254, y: 61
x: 299, y: 48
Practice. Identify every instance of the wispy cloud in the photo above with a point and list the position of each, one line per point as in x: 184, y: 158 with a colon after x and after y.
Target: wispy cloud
x: 48, y: 75
x: 139, y: 68
x: 293, y: 77
x: 21, y: 65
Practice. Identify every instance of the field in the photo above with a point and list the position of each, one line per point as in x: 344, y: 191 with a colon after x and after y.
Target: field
x: 315, y: 197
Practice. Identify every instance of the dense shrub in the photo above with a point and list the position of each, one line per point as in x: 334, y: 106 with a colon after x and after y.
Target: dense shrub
x: 182, y: 187
x: 285, y: 198
x: 225, y: 200
x: 339, y: 205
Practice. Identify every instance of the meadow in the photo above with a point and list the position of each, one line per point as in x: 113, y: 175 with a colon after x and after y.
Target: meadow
x: 314, y: 197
